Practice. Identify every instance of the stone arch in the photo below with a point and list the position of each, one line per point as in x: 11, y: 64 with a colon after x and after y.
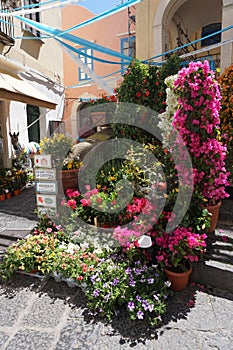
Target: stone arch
x: 169, y: 10
x: 164, y: 12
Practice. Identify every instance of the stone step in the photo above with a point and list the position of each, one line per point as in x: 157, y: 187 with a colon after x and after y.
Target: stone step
x: 8, y: 237
x: 217, y: 268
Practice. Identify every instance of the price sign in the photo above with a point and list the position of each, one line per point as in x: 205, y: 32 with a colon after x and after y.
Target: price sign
x: 45, y: 174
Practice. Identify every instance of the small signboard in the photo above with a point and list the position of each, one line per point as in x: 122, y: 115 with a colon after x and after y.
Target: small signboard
x: 46, y: 187
x: 46, y: 200
x: 45, y: 174
x: 46, y: 210
x: 43, y: 160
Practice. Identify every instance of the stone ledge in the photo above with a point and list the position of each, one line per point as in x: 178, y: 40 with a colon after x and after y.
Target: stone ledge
x: 218, y: 275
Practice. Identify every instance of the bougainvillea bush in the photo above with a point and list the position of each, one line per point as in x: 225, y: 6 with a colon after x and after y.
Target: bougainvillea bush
x: 197, y: 121
x: 226, y: 115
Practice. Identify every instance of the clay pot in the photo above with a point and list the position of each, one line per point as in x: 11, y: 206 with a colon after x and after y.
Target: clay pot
x: 214, y: 211
x: 179, y: 280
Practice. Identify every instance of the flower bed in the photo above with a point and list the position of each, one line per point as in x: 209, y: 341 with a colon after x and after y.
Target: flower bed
x: 129, y: 275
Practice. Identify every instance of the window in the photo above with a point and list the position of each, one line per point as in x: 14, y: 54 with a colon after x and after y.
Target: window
x: 88, y: 61
x: 210, y: 29
x: 56, y: 126
x: 33, y: 16
x: 128, y: 48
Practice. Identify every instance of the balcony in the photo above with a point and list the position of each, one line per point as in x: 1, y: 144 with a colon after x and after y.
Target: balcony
x: 6, y: 24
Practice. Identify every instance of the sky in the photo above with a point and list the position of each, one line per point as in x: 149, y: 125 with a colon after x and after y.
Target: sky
x: 99, y: 6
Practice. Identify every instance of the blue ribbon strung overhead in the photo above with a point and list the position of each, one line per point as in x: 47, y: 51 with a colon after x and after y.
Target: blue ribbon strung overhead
x: 102, y: 15
x: 77, y: 40
x: 82, y: 53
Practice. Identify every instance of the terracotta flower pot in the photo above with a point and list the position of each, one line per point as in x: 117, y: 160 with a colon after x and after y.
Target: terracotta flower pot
x: 214, y: 211
x: 179, y: 280
x: 67, y: 179
x: 2, y: 197
x: 8, y: 195
x: 17, y: 192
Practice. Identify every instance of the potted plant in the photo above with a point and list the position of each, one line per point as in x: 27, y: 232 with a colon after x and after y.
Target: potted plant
x: 35, y: 253
x: 2, y: 193
x: 175, y: 251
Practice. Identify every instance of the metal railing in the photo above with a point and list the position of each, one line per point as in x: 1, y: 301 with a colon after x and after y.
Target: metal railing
x: 6, y: 25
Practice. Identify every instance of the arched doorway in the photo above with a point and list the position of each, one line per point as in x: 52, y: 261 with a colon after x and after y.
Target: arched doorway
x: 178, y: 22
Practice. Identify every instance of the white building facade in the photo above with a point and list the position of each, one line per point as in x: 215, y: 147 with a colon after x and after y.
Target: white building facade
x: 31, y: 80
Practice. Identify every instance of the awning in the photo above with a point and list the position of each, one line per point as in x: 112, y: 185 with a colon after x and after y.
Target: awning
x: 12, y: 87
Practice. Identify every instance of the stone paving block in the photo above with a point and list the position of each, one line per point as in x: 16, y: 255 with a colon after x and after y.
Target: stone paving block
x: 178, y: 339
x: 44, y: 312
x: 27, y: 339
x: 11, y: 307
x: 3, y: 339
x: 218, y: 341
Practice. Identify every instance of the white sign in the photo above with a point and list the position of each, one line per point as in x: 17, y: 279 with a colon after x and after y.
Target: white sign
x: 44, y: 210
x: 46, y: 187
x: 46, y: 200
x: 45, y: 174
x: 43, y: 160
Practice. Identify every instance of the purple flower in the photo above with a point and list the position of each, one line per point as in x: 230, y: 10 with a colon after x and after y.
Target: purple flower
x: 145, y: 305
x: 132, y: 283
x: 128, y: 271
x: 138, y: 298
x: 140, y: 315
x: 115, y: 282
x: 131, y: 306
x: 151, y: 307
x: 96, y: 293
x: 150, y: 280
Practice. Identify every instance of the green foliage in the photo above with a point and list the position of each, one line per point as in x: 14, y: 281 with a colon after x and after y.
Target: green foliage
x: 124, y: 280
x: 34, y: 253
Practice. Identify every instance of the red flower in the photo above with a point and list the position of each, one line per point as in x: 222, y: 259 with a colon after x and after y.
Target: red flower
x: 138, y: 94
x: 79, y: 278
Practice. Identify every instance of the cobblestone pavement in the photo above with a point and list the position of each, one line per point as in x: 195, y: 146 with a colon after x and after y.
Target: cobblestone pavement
x: 44, y: 315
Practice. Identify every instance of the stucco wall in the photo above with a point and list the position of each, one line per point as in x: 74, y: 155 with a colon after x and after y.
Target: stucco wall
x: 157, y: 19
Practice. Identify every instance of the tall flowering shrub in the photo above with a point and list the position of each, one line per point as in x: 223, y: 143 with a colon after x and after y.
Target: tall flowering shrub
x: 197, y: 121
x: 226, y: 114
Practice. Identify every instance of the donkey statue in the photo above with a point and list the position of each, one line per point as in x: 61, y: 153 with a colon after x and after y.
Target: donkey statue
x: 25, y: 151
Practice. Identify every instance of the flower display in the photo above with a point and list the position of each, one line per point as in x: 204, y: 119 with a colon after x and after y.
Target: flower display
x: 34, y: 253
x: 197, y: 121
x: 74, y: 261
x: 174, y: 249
x: 59, y: 146
x: 226, y: 115
x: 116, y: 280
